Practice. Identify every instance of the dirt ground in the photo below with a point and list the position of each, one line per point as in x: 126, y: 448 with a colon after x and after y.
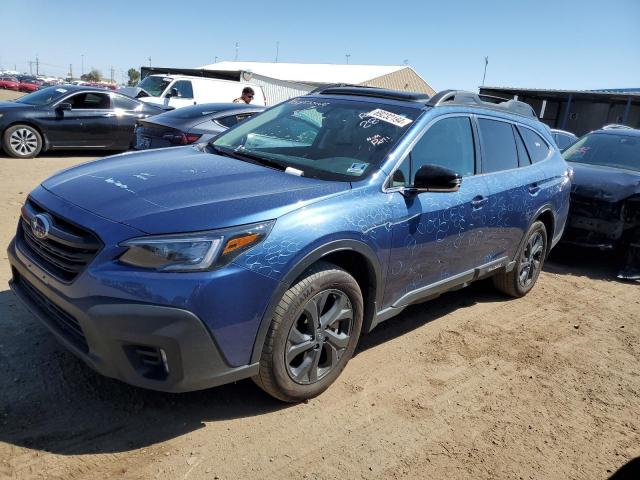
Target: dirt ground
x: 471, y: 385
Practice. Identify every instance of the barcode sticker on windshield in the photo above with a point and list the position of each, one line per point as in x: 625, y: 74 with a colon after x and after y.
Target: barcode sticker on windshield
x: 389, y: 117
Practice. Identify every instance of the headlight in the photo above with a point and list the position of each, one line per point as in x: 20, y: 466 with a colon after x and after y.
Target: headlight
x: 193, y: 251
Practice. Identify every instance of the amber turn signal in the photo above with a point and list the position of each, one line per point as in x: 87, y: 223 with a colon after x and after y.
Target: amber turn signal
x: 239, y: 242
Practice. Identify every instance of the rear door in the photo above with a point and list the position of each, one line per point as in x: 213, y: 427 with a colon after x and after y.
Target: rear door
x: 513, y: 181
x: 127, y: 112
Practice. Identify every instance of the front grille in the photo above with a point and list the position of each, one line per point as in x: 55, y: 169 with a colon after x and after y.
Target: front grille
x: 65, y: 323
x: 66, y: 250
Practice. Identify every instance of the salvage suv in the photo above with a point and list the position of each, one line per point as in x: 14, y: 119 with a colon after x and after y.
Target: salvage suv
x: 266, y: 253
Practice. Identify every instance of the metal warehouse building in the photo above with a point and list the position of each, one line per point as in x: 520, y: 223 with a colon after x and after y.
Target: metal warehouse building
x: 285, y: 80
x: 578, y: 111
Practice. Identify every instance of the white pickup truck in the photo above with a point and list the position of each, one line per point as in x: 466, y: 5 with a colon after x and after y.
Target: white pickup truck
x: 175, y: 91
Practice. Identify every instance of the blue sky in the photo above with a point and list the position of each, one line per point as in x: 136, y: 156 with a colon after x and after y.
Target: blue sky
x: 545, y: 44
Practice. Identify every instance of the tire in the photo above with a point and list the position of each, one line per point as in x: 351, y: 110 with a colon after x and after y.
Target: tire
x: 318, y: 345
x: 529, y: 262
x: 21, y: 141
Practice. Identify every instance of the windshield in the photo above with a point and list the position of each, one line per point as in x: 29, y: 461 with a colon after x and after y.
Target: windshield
x: 43, y: 97
x: 322, y: 138
x: 154, y: 86
x: 619, y: 151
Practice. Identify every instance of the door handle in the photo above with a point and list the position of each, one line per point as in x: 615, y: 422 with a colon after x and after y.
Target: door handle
x: 534, y: 189
x: 478, y: 202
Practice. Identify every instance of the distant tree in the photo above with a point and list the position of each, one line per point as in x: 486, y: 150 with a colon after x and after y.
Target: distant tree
x: 134, y: 76
x: 93, y: 76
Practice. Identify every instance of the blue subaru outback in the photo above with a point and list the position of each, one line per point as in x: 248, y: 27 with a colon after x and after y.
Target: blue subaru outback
x: 266, y: 253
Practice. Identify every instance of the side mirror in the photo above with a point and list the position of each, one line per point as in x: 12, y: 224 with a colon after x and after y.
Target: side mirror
x: 64, y: 106
x: 434, y: 178
x: 173, y: 92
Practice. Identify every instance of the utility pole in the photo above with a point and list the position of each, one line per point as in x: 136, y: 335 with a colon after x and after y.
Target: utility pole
x: 277, y: 50
x: 82, y: 69
x: 215, y: 59
x: 70, y: 72
x: 236, y: 57
x: 112, y: 71
x: 37, y: 65
x: 149, y: 62
x: 30, y: 67
x: 484, y: 75
x: 348, y: 55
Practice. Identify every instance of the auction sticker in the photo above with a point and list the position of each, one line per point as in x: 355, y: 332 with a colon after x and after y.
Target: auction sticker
x: 357, y: 168
x: 389, y: 117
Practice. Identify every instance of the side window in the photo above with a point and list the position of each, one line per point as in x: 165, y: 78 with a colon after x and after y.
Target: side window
x: 448, y: 143
x: 124, y: 103
x: 90, y: 101
x: 185, y: 90
x: 523, y: 157
x: 537, y: 147
x: 498, y: 146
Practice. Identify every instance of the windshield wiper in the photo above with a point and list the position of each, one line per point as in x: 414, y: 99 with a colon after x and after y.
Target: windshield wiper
x: 244, y: 156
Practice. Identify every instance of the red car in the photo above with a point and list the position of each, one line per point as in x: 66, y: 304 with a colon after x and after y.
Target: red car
x: 29, y: 86
x: 9, y: 83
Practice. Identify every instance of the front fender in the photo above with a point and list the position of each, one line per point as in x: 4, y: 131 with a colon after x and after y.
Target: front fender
x: 309, y: 258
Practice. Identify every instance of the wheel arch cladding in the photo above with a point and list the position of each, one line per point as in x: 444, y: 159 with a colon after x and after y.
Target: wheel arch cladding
x: 549, y: 221
x: 357, y: 258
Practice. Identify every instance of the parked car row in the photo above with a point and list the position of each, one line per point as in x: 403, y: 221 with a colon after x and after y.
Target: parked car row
x: 77, y: 117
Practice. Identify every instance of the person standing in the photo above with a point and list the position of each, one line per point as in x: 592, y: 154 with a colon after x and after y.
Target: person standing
x: 246, y: 97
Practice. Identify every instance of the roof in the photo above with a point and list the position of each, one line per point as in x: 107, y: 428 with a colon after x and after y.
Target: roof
x: 323, y: 73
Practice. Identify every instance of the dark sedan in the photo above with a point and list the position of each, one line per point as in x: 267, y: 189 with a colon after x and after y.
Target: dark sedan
x: 70, y: 117
x: 193, y: 124
x: 605, y: 195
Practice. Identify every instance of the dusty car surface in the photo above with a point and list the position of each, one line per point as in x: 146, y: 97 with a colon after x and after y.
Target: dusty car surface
x: 605, y: 195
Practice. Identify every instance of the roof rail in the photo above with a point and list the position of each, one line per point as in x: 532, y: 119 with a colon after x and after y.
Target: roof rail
x: 460, y: 97
x: 367, y: 91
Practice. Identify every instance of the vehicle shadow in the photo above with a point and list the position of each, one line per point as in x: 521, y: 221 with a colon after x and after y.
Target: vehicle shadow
x: 629, y: 471
x: 584, y: 262
x: 51, y: 401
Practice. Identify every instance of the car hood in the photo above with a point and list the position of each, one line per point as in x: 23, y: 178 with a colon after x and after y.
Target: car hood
x: 604, y: 183
x: 184, y: 189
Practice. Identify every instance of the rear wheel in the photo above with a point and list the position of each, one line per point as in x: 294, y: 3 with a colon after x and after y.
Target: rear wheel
x: 22, y: 141
x: 313, y: 334
x: 529, y: 263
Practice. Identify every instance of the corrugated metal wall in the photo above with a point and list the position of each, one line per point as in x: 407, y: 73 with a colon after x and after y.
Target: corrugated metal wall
x: 405, y: 79
x: 278, y: 91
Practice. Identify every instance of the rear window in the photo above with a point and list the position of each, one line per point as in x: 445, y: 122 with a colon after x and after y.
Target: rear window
x: 191, y: 112
x: 499, y: 146
x: 536, y: 146
x: 619, y: 151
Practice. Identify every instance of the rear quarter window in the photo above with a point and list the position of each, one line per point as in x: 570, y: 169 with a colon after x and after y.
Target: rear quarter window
x: 538, y: 148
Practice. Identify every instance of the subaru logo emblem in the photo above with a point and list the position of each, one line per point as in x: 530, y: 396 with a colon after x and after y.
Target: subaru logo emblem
x: 40, y: 226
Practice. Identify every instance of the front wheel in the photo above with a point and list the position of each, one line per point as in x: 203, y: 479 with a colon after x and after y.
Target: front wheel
x: 529, y: 262
x: 22, y: 141
x: 313, y: 334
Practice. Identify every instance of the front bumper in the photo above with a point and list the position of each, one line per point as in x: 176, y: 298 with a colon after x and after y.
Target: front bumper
x: 108, y: 334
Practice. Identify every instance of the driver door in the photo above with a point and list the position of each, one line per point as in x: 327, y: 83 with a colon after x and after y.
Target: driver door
x: 90, y: 122
x: 437, y: 236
